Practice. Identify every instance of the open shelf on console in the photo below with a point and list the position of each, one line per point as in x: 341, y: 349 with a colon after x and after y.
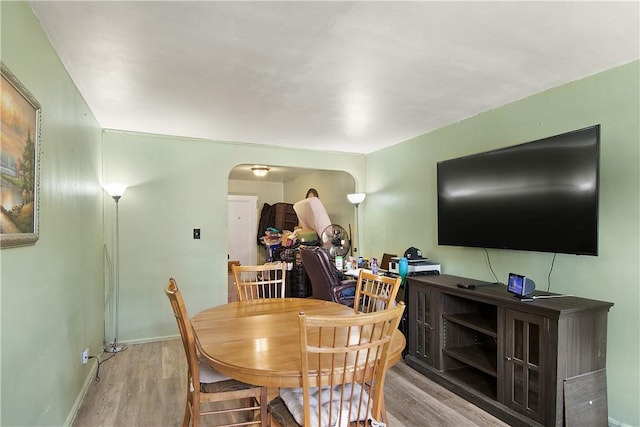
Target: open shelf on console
x: 469, y: 336
x: 477, y: 356
x: 481, y: 322
x: 476, y: 380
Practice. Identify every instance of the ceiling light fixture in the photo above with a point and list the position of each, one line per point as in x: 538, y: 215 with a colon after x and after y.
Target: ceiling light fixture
x: 260, y: 170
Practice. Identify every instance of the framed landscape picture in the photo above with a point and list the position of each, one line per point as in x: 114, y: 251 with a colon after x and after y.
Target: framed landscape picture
x: 19, y: 163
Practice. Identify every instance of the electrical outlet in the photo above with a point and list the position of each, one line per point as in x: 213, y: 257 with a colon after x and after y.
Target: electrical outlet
x: 85, y: 356
x: 196, y: 233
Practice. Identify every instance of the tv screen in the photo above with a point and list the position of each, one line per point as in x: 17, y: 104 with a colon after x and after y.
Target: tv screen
x: 538, y: 196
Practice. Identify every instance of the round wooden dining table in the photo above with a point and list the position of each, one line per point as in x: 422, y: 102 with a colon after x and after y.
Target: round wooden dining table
x: 258, y: 341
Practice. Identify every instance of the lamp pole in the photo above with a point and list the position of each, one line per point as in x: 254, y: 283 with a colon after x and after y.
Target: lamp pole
x: 116, y: 193
x: 357, y: 231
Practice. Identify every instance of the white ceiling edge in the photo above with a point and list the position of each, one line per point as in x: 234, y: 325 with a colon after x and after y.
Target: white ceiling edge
x: 338, y: 76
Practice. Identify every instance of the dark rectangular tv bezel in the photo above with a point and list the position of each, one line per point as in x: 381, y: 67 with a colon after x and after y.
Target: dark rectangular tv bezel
x: 591, y: 251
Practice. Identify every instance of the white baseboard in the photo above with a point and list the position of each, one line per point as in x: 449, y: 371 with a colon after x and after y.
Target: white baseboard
x: 151, y: 339
x: 616, y: 423
x: 85, y: 387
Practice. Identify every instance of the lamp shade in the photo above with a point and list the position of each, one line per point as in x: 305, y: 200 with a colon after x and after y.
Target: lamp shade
x: 115, y: 189
x: 356, y: 198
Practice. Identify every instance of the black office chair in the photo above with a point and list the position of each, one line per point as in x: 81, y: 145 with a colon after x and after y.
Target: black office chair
x: 325, y: 283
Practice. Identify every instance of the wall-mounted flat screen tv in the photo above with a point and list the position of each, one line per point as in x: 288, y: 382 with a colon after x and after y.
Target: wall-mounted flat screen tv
x: 538, y: 196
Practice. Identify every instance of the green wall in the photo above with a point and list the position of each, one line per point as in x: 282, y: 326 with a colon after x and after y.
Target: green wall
x: 177, y: 184
x: 400, y: 209
x: 332, y: 187
x: 52, y: 293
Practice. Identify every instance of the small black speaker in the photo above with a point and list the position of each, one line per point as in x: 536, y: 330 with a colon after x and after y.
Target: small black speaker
x: 520, y: 285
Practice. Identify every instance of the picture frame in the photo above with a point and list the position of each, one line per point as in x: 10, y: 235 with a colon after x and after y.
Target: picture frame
x: 19, y: 163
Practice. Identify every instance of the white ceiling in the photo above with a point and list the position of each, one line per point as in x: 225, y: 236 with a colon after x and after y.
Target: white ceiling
x: 344, y: 76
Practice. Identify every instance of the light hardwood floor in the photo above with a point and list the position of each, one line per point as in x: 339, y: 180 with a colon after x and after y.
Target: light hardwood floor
x: 145, y: 386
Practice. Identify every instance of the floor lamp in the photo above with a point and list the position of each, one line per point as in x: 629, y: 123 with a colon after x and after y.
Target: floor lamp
x: 356, y: 199
x: 116, y: 190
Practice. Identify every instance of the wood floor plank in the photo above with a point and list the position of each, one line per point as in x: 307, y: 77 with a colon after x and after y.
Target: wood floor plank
x: 393, y: 421
x: 173, y: 364
x: 137, y: 373
x: 100, y: 405
x: 418, y: 401
x: 413, y: 406
x: 145, y: 385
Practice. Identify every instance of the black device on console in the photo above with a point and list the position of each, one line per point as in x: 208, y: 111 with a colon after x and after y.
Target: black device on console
x: 520, y: 286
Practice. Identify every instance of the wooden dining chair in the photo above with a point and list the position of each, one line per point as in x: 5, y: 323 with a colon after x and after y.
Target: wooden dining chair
x: 341, y: 356
x: 205, y: 385
x: 375, y: 292
x: 260, y: 281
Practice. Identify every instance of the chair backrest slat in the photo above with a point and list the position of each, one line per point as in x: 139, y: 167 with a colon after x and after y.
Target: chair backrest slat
x: 260, y: 281
x: 375, y: 292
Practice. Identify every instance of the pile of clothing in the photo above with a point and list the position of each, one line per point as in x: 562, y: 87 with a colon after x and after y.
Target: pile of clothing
x: 283, y: 225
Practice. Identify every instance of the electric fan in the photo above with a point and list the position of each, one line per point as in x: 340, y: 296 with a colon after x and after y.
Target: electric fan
x: 335, y: 240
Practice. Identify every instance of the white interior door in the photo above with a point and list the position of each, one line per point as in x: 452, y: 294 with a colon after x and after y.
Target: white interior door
x: 243, y: 228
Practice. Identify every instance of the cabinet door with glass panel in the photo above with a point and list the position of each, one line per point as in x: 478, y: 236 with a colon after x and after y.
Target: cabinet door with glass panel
x: 422, y: 333
x: 526, y: 364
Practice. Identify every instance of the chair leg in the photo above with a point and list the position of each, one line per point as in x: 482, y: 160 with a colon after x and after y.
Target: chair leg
x: 383, y: 411
x: 263, y: 407
x: 195, y: 416
x: 187, y: 413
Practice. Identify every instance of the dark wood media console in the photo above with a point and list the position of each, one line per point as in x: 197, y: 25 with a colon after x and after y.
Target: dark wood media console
x: 512, y: 358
